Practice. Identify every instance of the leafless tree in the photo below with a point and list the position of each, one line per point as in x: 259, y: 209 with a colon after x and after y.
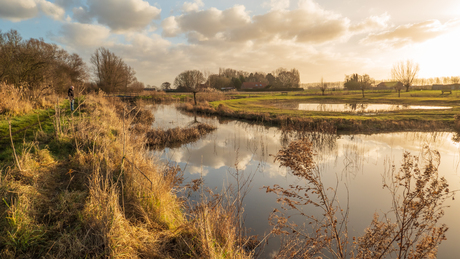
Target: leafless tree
x: 405, y: 72
x: 287, y: 78
x: 322, y: 86
x: 166, y: 86
x: 189, y: 80
x: 36, y: 65
x: 112, y: 73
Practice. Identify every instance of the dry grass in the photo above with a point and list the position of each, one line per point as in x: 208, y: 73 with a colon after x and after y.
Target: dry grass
x: 159, y: 138
x: 95, y: 193
x: 16, y: 101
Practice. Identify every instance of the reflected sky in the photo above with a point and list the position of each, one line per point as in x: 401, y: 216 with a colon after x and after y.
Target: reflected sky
x: 359, y: 108
x: 358, y: 162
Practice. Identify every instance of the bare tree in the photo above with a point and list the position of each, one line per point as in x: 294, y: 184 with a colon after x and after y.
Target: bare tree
x: 111, y: 71
x: 287, y: 78
x: 166, y: 86
x: 36, y: 65
x: 189, y: 80
x: 405, y: 72
x: 322, y: 86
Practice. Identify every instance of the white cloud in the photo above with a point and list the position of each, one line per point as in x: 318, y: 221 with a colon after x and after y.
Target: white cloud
x: 52, y: 10
x: 80, y: 36
x: 18, y: 10
x: 119, y: 15
x: 192, y: 6
x: 411, y: 33
x: 277, y: 4
x: 308, y: 23
x: 371, y: 23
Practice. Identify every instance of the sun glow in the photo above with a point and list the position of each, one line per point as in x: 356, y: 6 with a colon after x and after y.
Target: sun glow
x: 439, y: 57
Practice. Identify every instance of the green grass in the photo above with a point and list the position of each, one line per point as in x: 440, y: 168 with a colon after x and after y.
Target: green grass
x: 268, y: 103
x: 25, y: 127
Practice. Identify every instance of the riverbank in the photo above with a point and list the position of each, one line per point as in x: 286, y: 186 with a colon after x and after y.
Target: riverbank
x: 84, y: 186
x: 271, y: 109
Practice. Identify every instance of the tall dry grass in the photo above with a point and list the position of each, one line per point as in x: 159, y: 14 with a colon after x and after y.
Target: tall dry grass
x: 96, y: 193
x: 16, y: 101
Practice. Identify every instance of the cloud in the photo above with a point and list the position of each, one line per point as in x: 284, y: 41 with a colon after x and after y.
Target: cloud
x: 18, y: 10
x: 309, y: 23
x: 80, y: 36
x: 277, y: 4
x: 192, y: 6
x: 82, y: 15
x: 371, y: 23
x: 52, y: 10
x: 119, y: 15
x: 411, y: 33
x: 67, y: 3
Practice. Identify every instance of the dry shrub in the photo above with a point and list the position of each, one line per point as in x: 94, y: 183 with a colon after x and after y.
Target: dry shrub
x: 211, y: 95
x: 12, y: 101
x: 177, y: 136
x: 417, y: 195
x: 16, y: 101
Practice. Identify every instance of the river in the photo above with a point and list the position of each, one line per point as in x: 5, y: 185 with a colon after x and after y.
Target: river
x: 359, y: 163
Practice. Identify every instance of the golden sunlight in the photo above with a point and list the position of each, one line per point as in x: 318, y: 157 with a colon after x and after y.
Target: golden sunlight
x: 440, y: 56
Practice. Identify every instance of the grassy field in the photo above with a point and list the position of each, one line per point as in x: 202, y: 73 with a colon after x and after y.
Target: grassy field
x: 270, y: 107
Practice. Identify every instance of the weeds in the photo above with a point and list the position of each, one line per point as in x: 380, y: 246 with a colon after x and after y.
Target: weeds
x: 417, y: 194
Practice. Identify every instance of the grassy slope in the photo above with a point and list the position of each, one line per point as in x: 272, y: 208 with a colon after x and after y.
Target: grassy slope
x: 78, y: 196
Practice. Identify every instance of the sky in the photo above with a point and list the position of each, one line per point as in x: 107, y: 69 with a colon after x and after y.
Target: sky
x: 321, y: 38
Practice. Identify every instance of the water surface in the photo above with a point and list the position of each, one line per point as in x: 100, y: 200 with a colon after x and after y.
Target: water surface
x: 359, y: 107
x: 358, y: 162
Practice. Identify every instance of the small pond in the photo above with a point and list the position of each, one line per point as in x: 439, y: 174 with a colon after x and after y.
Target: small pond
x: 357, y: 107
x: 358, y: 162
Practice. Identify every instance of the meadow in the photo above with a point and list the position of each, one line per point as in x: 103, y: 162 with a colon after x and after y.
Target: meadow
x: 270, y: 107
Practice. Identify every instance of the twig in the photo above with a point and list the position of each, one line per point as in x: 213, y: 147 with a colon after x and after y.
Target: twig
x: 12, y: 145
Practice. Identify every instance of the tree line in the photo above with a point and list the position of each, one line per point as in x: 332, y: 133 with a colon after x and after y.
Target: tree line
x: 37, y: 65
x: 231, y: 78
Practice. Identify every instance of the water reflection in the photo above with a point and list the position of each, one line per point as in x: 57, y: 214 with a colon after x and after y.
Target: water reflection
x: 357, y: 161
x: 360, y: 107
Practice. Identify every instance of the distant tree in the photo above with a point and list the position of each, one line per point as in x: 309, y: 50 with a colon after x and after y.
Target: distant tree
x: 236, y: 82
x: 219, y: 82
x: 405, y: 72
x: 112, y: 73
x: 455, y: 79
x: 190, y: 80
x: 398, y: 87
x: 206, y: 74
x: 270, y: 78
x: 286, y: 78
x: 166, y: 86
x: 36, y: 65
x: 136, y: 86
x: 358, y: 82
x: 322, y: 86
